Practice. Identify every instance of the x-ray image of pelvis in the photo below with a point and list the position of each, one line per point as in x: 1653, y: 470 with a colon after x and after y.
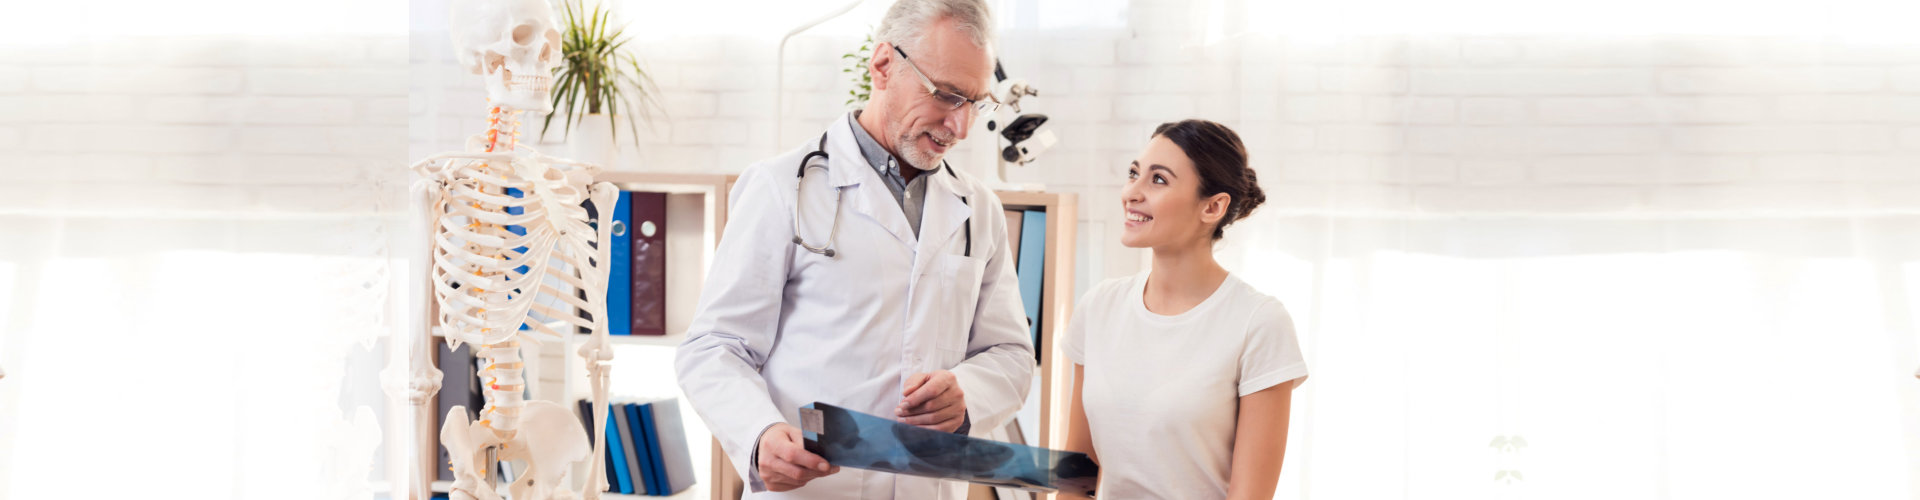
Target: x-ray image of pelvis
x: 849, y: 438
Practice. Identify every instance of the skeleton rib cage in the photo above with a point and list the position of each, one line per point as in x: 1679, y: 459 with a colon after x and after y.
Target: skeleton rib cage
x: 485, y: 276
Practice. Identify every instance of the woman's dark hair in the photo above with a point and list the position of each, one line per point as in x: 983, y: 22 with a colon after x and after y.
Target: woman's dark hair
x: 1222, y: 162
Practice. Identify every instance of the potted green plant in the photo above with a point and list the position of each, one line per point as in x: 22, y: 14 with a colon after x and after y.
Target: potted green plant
x: 857, y: 69
x: 596, y: 78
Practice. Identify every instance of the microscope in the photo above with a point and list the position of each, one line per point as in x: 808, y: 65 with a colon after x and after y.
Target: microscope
x: 1024, y: 136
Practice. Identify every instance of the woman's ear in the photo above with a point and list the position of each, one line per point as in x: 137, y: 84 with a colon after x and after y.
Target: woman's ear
x: 1215, y: 208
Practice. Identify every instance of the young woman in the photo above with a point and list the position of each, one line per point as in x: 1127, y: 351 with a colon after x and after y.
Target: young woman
x: 1183, y: 374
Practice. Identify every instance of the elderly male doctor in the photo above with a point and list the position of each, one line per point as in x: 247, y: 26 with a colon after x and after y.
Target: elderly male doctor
x: 876, y: 278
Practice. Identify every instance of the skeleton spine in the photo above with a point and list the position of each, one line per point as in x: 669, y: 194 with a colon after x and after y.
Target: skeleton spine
x: 504, y: 369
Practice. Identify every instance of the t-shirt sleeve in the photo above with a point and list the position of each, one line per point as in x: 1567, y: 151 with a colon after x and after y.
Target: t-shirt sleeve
x: 1076, y: 340
x: 1272, y: 353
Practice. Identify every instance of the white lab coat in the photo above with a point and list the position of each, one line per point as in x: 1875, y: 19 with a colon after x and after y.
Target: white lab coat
x: 779, y: 327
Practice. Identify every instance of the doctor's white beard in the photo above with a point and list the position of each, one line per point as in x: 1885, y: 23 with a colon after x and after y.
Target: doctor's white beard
x: 909, y: 146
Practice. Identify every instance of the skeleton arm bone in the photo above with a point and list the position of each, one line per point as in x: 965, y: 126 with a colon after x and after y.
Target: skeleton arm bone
x: 598, y: 351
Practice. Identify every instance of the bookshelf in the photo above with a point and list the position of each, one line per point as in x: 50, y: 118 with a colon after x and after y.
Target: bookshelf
x: 1056, y: 307
x: 696, y: 217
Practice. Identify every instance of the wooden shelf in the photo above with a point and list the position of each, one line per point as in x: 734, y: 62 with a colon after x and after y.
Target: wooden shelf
x: 1056, y: 306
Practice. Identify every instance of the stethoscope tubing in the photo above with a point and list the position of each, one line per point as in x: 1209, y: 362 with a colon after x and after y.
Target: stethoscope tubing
x: 833, y: 228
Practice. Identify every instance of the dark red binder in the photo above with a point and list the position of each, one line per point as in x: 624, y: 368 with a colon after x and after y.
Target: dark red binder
x: 649, y: 233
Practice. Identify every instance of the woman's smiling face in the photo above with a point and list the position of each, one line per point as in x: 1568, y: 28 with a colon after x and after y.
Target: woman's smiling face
x: 1161, y: 199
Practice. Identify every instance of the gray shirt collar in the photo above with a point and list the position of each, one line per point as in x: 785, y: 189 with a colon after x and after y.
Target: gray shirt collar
x: 911, y: 196
x: 877, y: 157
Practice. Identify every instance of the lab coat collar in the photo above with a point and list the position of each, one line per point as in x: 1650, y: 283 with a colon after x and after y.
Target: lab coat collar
x: 842, y: 144
x: 850, y: 173
x: 843, y: 153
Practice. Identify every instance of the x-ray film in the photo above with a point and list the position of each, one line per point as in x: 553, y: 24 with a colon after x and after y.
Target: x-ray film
x: 852, y: 439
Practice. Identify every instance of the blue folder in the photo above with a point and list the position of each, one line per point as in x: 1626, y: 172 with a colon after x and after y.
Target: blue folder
x: 620, y: 269
x: 1031, y: 268
x: 645, y: 483
x: 657, y: 472
x: 623, y: 479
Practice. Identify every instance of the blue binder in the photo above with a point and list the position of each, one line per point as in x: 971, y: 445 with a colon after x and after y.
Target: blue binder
x: 617, y: 458
x: 657, y: 478
x: 1031, y: 267
x: 620, y: 267
x: 641, y: 438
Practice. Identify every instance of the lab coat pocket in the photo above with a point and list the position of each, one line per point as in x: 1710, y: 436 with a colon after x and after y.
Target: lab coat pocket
x: 960, y: 296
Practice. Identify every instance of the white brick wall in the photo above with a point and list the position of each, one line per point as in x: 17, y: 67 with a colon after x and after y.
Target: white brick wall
x: 1450, y: 124
x: 206, y: 123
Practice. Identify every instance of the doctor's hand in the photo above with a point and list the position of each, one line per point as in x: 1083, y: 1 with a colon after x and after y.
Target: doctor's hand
x: 933, y: 401
x: 785, y: 463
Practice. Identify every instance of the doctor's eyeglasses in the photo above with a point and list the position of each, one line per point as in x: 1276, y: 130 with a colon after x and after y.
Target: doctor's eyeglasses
x: 952, y: 100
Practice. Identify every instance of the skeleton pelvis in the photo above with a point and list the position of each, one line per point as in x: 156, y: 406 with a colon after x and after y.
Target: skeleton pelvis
x: 549, y: 441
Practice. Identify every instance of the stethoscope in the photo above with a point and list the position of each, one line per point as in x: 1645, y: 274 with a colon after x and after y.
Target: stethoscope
x: 834, y: 227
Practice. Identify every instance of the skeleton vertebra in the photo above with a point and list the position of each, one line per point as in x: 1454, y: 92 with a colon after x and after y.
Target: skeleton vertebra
x: 489, y: 281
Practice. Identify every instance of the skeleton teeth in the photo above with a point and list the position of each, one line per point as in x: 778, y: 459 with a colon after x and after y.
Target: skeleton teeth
x: 530, y: 82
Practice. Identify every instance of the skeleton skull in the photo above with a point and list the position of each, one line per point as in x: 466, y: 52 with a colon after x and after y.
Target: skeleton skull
x: 515, y: 43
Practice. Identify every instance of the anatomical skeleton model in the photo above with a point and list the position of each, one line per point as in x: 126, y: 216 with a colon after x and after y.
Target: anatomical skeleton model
x: 489, y: 280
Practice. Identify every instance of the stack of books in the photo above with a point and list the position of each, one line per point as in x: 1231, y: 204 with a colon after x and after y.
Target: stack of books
x: 647, y: 450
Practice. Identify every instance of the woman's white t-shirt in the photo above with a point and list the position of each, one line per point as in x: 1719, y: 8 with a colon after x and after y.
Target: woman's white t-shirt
x: 1162, y: 393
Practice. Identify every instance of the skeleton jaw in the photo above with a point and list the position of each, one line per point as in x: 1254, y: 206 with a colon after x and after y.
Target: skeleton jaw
x: 528, y: 83
x: 526, y: 92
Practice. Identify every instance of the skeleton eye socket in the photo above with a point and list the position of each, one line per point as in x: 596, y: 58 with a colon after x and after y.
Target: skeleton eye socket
x: 523, y: 34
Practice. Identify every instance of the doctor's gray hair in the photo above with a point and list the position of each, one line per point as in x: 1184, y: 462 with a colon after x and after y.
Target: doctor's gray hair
x: 906, y: 22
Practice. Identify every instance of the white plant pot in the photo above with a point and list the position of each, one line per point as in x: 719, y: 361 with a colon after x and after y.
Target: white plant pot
x: 590, y: 141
